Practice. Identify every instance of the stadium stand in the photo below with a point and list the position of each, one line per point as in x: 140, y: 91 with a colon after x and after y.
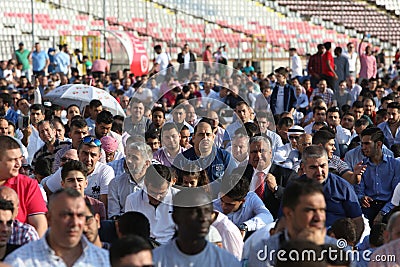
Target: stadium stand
x: 261, y: 28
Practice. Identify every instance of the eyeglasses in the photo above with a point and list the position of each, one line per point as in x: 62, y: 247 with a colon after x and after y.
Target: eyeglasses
x: 89, y: 140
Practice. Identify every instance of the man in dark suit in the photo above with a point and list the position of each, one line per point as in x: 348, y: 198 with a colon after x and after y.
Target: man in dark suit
x: 266, y: 179
x: 187, y: 60
x: 283, y: 95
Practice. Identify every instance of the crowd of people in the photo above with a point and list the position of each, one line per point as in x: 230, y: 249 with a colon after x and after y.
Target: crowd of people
x: 211, y: 166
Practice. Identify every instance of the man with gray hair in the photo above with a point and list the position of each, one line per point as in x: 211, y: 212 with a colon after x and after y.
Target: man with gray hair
x: 341, y: 199
x: 137, y: 160
x: 266, y: 179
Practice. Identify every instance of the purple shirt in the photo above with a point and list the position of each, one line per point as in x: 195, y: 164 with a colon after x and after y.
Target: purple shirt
x: 164, y: 157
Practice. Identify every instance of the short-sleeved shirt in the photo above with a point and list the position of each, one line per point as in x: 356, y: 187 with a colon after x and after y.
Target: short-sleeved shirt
x: 43, y: 152
x: 31, y: 201
x: 325, y: 57
x: 163, y: 60
x: 98, y: 180
x: 39, y: 60
x: 211, y: 255
x: 22, y: 57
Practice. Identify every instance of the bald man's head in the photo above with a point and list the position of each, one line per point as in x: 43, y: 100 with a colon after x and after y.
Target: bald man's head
x: 71, y: 154
x: 8, y: 193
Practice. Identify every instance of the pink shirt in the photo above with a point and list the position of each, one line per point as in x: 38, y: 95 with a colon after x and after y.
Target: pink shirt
x: 100, y: 65
x: 368, y: 66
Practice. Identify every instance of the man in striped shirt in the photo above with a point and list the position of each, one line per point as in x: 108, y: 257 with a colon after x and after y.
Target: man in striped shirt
x: 47, y: 133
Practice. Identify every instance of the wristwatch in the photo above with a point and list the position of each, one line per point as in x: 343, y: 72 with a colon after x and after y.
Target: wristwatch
x: 275, y: 188
x: 243, y: 227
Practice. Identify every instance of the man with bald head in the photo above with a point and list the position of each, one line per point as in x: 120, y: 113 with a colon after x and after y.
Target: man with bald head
x: 70, y: 154
x: 22, y: 233
x: 64, y: 243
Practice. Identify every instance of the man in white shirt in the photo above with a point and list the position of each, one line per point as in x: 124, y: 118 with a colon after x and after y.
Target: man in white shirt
x: 352, y: 56
x: 207, y: 93
x: 353, y: 88
x: 99, y: 174
x: 297, y: 68
x: 162, y: 62
x: 245, y: 209
x: 64, y: 243
x: 192, y: 214
x: 155, y: 201
x: 31, y: 137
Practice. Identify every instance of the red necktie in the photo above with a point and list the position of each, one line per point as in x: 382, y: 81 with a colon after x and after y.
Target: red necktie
x: 260, y: 186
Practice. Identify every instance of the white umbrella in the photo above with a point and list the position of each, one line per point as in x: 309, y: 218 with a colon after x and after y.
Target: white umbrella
x: 81, y: 95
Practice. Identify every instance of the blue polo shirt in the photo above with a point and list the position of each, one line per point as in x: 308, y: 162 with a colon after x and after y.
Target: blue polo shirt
x: 216, y: 164
x: 341, y: 199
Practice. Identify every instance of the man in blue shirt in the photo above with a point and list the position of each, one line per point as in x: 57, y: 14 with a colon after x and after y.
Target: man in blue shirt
x: 245, y: 209
x: 341, y: 199
x: 303, y: 206
x: 205, y: 155
x: 378, y: 182
x: 40, y: 61
x: 390, y: 127
x: 5, y: 108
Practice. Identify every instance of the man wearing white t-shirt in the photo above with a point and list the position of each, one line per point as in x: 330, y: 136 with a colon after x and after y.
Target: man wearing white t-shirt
x: 297, y: 69
x: 351, y: 56
x: 99, y: 174
x: 192, y: 214
x: 155, y: 202
x: 162, y: 62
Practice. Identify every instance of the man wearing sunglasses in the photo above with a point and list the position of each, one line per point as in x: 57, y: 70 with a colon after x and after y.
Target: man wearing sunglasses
x: 99, y: 174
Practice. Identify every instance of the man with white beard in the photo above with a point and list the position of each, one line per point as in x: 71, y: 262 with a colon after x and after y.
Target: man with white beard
x: 137, y: 160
